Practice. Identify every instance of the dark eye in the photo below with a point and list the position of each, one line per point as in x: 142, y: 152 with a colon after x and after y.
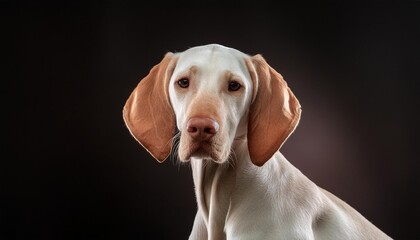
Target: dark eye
x: 234, y: 86
x: 184, y: 83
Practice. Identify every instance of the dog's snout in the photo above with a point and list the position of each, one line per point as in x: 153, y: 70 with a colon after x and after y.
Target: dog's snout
x: 202, y: 128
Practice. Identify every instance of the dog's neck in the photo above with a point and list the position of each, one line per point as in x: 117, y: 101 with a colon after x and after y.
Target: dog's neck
x: 216, y: 184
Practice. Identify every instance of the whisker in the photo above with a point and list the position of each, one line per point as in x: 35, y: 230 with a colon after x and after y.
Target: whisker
x: 175, y: 148
x: 232, y: 158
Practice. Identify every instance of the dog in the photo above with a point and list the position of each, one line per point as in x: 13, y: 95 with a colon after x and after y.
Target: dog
x: 228, y: 113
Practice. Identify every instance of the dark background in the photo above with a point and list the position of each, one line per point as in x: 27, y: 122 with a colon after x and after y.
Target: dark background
x: 71, y: 170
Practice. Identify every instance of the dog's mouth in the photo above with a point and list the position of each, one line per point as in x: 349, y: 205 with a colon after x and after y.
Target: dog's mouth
x: 210, y: 150
x: 202, y: 150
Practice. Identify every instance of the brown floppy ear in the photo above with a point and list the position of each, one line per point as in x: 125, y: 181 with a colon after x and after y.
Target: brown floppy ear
x: 274, y: 112
x: 148, y: 113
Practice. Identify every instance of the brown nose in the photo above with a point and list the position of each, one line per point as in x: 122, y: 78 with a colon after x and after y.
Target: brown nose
x: 202, y: 129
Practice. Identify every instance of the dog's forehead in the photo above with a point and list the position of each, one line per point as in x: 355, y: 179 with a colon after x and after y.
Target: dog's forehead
x: 212, y: 57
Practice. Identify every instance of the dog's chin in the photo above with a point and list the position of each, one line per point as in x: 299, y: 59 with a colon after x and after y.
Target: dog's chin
x: 201, y: 151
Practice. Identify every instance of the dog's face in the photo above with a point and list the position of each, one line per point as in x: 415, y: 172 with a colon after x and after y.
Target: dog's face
x: 210, y: 91
x: 215, y: 96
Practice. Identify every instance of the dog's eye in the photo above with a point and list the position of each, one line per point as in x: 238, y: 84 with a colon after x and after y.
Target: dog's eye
x: 184, y: 83
x: 234, y: 86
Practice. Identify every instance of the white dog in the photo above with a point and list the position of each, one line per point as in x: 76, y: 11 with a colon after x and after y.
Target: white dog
x: 233, y: 112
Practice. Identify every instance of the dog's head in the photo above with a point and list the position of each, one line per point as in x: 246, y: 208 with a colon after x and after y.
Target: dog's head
x: 215, y: 96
